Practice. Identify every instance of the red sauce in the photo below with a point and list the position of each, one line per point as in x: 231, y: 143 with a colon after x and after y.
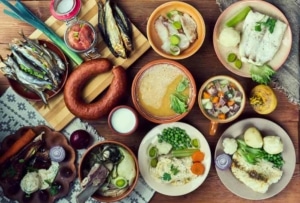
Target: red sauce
x: 80, y: 36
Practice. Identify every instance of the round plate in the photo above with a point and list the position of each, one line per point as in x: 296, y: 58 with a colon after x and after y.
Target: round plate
x: 267, y: 128
x: 151, y: 138
x: 24, y: 92
x: 163, y: 9
x: 260, y: 6
x: 65, y: 175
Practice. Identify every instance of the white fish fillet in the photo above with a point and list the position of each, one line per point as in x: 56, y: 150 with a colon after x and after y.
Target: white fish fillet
x: 270, y: 43
x: 161, y: 29
x: 258, y: 177
x: 259, y: 47
x: 251, y: 38
x: 189, y: 27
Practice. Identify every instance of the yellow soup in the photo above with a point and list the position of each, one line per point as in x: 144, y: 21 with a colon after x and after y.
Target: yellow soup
x: 156, y: 86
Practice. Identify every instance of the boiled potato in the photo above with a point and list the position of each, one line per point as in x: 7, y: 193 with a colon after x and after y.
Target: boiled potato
x: 273, y: 144
x: 253, y: 137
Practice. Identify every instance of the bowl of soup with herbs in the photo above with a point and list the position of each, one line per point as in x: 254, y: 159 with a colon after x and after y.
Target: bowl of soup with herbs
x: 163, y: 91
x: 221, y: 99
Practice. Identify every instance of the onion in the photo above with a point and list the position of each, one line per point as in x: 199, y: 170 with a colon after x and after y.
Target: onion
x: 80, y: 139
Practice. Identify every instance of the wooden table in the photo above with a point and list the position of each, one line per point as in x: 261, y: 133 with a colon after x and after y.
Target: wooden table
x: 202, y: 65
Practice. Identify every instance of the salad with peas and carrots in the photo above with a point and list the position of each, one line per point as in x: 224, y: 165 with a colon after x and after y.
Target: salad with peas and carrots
x: 176, y: 158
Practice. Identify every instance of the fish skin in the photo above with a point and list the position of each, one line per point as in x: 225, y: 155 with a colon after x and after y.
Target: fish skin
x: 113, y: 32
x: 26, y: 78
x: 125, y: 27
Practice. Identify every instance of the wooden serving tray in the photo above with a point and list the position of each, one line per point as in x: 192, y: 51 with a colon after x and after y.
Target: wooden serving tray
x: 56, y: 113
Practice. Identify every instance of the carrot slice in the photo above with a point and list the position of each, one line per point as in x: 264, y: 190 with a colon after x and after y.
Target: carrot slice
x: 197, y: 156
x: 18, y: 145
x: 230, y: 102
x: 215, y: 100
x: 206, y: 95
x: 222, y: 116
x: 197, y: 168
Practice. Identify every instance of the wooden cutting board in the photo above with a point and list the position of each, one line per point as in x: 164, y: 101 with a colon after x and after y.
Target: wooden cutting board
x: 56, y: 113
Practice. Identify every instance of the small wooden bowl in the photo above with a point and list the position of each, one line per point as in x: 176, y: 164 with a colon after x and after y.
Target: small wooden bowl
x: 127, y: 118
x: 27, y: 94
x: 163, y: 9
x: 83, y: 164
x: 145, y: 71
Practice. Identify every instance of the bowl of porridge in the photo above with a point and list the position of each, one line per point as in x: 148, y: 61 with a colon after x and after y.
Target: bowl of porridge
x: 163, y: 91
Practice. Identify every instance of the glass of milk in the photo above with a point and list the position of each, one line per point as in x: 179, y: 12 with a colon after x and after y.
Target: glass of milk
x: 123, y: 120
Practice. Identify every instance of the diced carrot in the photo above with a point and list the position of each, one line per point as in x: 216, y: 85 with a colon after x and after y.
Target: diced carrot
x: 197, y: 156
x: 220, y: 94
x: 206, y: 95
x: 197, y: 168
x: 230, y: 102
x: 18, y: 145
x: 221, y: 116
x: 215, y: 100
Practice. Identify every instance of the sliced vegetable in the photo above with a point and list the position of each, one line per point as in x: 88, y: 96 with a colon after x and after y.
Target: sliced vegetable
x: 21, y: 12
x: 198, y: 156
x: 174, y: 39
x: 120, y: 182
x: 153, y: 162
x: 183, y: 152
x: 262, y: 74
x: 26, y: 138
x: 175, y: 50
x: 238, y: 63
x: 152, y: 152
x: 231, y: 57
x: 177, y: 25
x: 239, y: 17
x: 195, y: 143
x: 198, y: 168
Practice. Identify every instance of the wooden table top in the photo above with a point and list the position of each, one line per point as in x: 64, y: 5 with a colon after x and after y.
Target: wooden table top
x: 202, y: 65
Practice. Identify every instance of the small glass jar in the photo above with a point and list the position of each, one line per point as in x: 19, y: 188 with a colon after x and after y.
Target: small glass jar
x: 80, y: 36
x: 65, y: 10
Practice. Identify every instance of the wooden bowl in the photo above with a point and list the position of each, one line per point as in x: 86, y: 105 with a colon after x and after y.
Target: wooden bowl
x: 65, y: 176
x: 215, y: 120
x: 27, y: 94
x: 151, y: 97
x: 84, y: 168
x: 163, y: 9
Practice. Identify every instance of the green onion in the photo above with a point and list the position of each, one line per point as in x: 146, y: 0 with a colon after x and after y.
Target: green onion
x: 21, y: 12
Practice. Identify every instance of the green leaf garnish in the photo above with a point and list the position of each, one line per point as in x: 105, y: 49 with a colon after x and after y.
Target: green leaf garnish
x: 270, y: 24
x: 166, y: 177
x: 174, y: 170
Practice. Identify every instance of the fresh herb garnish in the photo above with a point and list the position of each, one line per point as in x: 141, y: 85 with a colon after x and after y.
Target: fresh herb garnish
x: 9, y: 172
x: 53, y: 188
x: 174, y: 170
x: 166, y: 177
x: 270, y: 24
x: 178, y: 99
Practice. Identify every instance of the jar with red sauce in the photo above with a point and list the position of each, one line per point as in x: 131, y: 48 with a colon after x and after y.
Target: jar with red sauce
x: 80, y: 36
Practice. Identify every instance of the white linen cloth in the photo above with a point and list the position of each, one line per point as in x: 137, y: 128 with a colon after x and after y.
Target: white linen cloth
x: 16, y: 112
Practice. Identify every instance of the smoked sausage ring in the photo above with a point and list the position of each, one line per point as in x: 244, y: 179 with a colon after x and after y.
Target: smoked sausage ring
x: 80, y: 76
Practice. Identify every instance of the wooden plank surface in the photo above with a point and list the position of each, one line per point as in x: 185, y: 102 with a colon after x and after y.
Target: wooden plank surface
x: 56, y: 113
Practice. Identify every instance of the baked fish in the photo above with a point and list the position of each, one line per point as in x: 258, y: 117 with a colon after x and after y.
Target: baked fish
x: 260, y: 39
x: 258, y: 176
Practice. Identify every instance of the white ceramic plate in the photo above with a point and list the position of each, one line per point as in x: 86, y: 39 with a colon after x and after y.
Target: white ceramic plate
x: 151, y: 138
x: 260, y: 6
x: 266, y: 127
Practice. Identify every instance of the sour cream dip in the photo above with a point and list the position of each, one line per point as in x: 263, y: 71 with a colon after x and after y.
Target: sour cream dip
x: 123, y: 120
